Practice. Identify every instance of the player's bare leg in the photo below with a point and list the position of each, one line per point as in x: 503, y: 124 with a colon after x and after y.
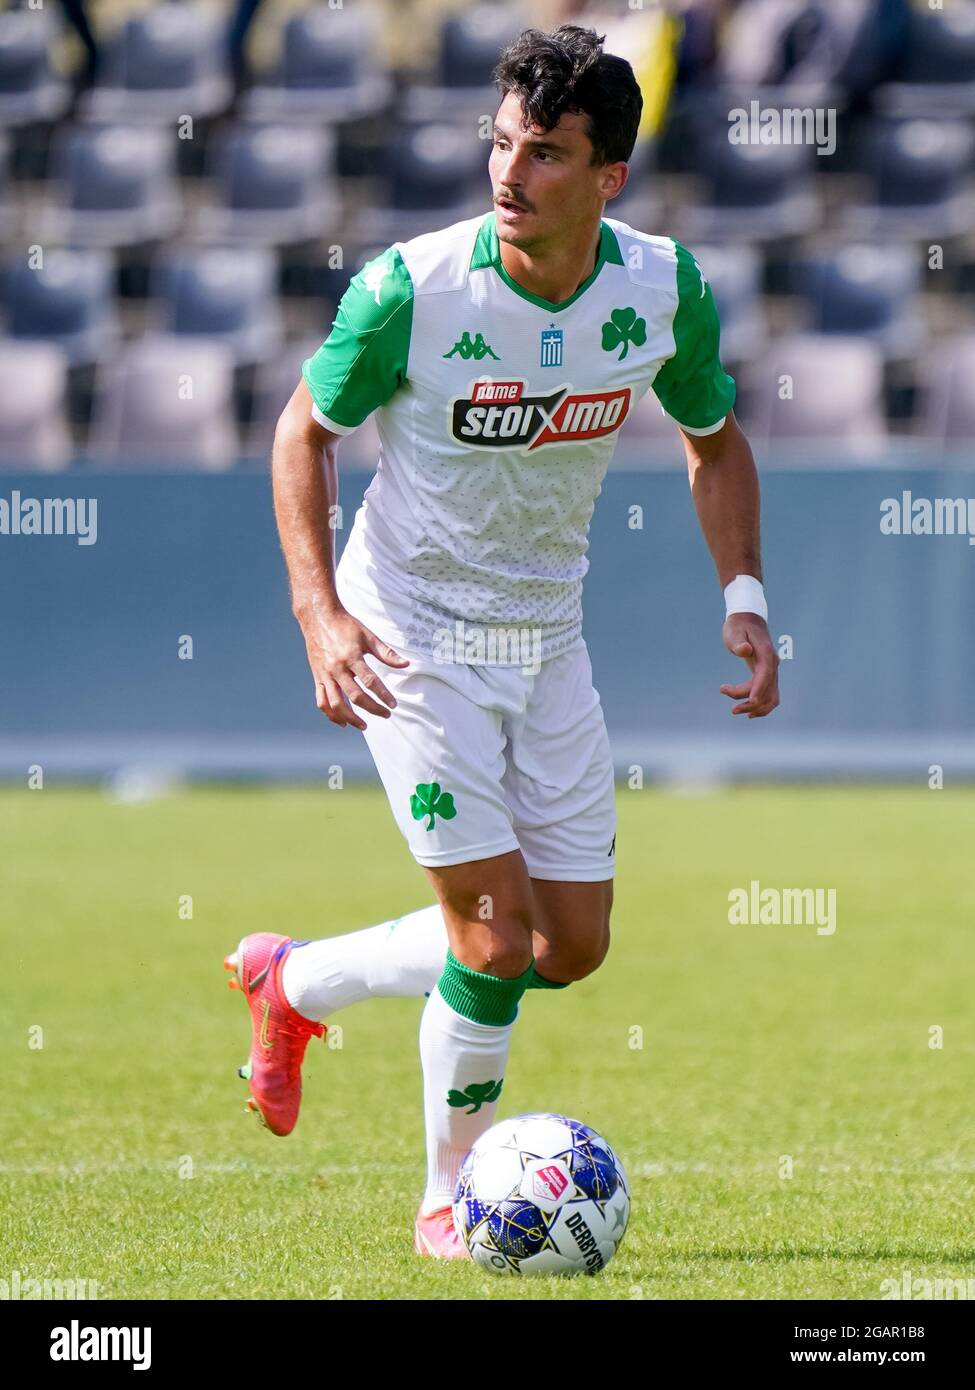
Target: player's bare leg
x: 570, y: 931
x: 404, y: 957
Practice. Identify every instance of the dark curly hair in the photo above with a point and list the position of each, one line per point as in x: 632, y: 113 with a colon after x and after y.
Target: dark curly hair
x: 567, y: 70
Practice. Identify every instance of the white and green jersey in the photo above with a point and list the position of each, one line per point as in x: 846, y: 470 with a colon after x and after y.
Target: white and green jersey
x: 498, y: 413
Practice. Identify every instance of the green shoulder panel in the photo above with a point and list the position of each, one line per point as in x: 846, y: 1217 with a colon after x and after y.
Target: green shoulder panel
x: 692, y: 386
x: 364, y: 359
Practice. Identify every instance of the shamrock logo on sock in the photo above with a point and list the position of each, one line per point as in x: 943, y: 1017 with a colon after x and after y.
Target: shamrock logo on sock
x: 478, y: 1093
x: 624, y: 327
x: 428, y: 800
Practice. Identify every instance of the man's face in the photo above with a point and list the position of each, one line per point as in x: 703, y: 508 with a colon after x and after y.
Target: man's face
x: 542, y: 181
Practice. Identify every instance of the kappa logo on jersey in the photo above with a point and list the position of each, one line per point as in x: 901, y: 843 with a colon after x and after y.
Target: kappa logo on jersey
x: 373, y: 279
x: 476, y: 349
x: 499, y: 415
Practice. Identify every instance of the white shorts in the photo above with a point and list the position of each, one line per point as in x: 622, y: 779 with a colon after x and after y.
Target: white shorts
x: 481, y: 760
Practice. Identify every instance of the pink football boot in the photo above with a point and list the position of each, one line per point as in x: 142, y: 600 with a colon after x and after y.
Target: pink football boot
x: 435, y: 1234
x: 279, y: 1034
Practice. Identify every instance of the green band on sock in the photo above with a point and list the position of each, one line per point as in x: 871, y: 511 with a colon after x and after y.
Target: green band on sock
x: 539, y: 981
x: 481, y: 998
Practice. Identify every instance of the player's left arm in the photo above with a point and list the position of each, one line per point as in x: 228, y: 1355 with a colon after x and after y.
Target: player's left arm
x: 724, y: 485
x: 698, y: 394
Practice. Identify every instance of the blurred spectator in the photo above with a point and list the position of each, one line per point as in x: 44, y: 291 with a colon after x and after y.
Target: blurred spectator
x: 244, y: 12
x: 648, y: 38
x: 854, y: 44
x: 78, y: 19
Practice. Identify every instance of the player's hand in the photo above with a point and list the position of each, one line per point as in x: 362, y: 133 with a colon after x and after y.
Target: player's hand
x: 747, y: 635
x: 336, y: 648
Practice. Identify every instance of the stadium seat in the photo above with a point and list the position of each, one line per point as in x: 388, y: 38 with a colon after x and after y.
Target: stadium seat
x: 763, y: 46
x: 817, y: 389
x: 113, y: 186
x: 167, y: 63
x: 34, y: 431
x: 433, y: 167
x: 936, y: 72
x: 68, y: 301
x: 867, y: 291
x: 437, y: 175
x: 751, y: 192
x: 166, y: 402
x: 328, y: 71
x: 918, y: 174
x: 273, y: 185
x: 947, y: 414
x: 29, y: 91
x: 225, y: 294
x: 322, y: 279
x: 9, y: 212
x: 470, y: 42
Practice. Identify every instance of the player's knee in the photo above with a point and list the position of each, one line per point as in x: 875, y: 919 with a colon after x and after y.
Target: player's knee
x: 502, y: 947
x: 564, y: 964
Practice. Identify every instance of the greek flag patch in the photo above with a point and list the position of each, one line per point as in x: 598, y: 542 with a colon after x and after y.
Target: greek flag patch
x: 551, y: 347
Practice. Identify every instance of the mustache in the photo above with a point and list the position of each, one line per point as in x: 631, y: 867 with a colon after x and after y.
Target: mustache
x: 504, y: 197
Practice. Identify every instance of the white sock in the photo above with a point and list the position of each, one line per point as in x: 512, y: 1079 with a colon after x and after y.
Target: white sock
x: 404, y: 957
x: 456, y: 1053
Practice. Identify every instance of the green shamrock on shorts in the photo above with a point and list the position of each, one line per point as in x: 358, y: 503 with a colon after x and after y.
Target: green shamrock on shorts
x: 429, y: 800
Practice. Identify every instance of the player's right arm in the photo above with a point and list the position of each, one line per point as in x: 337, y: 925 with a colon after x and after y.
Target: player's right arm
x: 357, y: 369
x: 304, y: 471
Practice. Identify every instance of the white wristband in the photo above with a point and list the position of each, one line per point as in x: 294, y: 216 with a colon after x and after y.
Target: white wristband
x: 745, y: 595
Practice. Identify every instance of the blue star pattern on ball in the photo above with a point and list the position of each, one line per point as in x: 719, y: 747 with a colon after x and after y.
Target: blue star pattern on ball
x: 541, y: 1193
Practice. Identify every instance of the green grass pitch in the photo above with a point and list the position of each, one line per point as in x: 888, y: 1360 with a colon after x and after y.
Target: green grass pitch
x: 128, y: 1158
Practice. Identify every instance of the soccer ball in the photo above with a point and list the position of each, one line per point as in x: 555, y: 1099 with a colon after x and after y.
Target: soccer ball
x: 541, y: 1194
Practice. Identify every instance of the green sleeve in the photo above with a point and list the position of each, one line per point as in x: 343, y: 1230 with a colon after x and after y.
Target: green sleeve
x: 692, y: 386
x: 364, y: 358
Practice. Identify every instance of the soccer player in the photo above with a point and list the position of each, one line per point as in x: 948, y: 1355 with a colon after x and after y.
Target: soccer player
x: 501, y: 355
